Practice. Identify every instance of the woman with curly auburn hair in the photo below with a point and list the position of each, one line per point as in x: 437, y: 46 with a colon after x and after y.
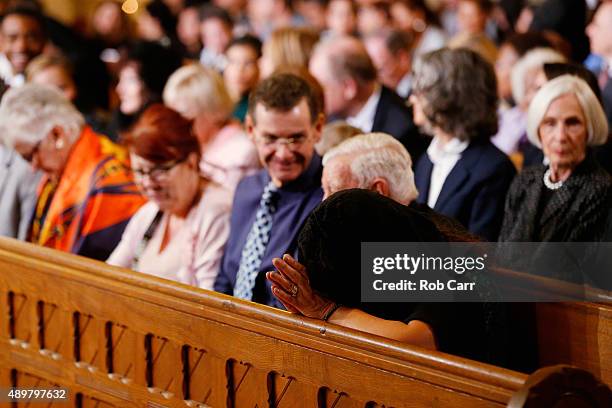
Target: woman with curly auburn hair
x: 462, y: 175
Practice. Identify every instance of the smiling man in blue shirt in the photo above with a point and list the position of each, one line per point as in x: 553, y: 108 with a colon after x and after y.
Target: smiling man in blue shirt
x: 284, y: 121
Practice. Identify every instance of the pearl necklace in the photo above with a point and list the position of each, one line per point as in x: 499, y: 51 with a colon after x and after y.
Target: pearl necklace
x: 549, y: 184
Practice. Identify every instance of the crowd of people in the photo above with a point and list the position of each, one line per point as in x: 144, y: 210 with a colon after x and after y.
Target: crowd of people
x: 249, y: 146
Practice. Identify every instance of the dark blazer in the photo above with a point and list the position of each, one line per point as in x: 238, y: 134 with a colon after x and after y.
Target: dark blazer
x: 606, y: 95
x: 394, y: 117
x: 576, y: 212
x: 474, y: 191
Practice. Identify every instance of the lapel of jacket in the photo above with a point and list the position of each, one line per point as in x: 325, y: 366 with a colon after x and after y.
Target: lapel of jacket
x: 422, y: 178
x: 527, y: 213
x: 380, y: 124
x: 560, y: 203
x: 458, y: 175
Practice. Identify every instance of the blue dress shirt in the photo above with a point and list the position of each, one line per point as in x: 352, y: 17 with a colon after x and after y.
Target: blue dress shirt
x: 296, y: 201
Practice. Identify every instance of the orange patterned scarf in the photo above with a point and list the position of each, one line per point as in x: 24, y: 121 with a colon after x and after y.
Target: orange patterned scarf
x: 86, y: 211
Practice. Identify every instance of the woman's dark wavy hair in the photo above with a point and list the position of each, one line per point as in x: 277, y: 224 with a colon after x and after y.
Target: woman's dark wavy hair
x: 329, y: 243
x: 155, y: 63
x: 459, y: 92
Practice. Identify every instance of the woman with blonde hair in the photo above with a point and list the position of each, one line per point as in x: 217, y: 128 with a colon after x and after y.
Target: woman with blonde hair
x: 199, y: 94
x: 288, y: 46
x: 525, y: 81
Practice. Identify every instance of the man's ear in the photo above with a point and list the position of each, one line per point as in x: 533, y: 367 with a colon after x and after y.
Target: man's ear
x: 57, y: 133
x: 381, y: 186
x: 249, y: 125
x: 320, y: 122
x: 193, y: 159
x: 58, y: 137
x: 349, y: 89
x: 404, y: 59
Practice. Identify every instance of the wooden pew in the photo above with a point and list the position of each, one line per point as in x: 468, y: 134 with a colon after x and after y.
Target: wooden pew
x: 576, y: 333
x: 117, y: 338
x: 562, y: 386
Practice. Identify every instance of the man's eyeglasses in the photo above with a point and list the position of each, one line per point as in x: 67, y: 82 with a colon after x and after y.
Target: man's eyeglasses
x: 293, y: 142
x: 158, y: 172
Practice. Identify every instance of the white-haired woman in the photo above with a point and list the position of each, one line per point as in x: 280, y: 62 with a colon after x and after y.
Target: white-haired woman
x: 199, y: 94
x: 567, y: 200
x: 87, y: 195
x: 526, y: 77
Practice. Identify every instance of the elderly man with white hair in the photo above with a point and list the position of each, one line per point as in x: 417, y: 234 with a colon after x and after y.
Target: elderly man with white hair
x: 380, y: 163
x: 373, y: 161
x: 86, y: 195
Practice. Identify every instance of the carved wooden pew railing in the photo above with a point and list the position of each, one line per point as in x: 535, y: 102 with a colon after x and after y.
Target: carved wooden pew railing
x: 574, y: 333
x: 119, y: 338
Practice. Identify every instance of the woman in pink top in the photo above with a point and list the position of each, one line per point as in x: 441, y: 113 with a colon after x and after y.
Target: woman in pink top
x: 181, y: 232
x: 199, y: 94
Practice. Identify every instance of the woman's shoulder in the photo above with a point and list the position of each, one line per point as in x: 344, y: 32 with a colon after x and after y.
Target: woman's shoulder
x: 526, y: 180
x: 232, y: 144
x: 593, y: 175
x: 140, y: 221
x: 489, y: 158
x: 146, y: 212
x: 215, y: 197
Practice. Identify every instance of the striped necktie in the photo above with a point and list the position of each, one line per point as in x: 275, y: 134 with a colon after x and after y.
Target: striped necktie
x: 256, y: 243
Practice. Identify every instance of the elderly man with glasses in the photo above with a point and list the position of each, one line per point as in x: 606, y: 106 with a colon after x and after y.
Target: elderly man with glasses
x: 284, y: 121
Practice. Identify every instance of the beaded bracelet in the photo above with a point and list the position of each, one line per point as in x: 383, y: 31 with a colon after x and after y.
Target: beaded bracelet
x: 331, y: 311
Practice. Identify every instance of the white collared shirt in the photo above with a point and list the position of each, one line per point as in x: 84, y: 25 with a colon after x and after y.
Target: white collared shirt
x: 444, y: 159
x: 404, y: 86
x: 213, y: 60
x: 364, y: 120
x: 7, y: 75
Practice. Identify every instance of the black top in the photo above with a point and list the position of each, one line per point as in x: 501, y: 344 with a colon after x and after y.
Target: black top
x: 576, y: 212
x: 329, y: 245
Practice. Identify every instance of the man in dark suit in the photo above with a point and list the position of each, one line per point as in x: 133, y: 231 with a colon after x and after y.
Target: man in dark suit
x: 390, y: 53
x: 352, y: 93
x: 600, y: 34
